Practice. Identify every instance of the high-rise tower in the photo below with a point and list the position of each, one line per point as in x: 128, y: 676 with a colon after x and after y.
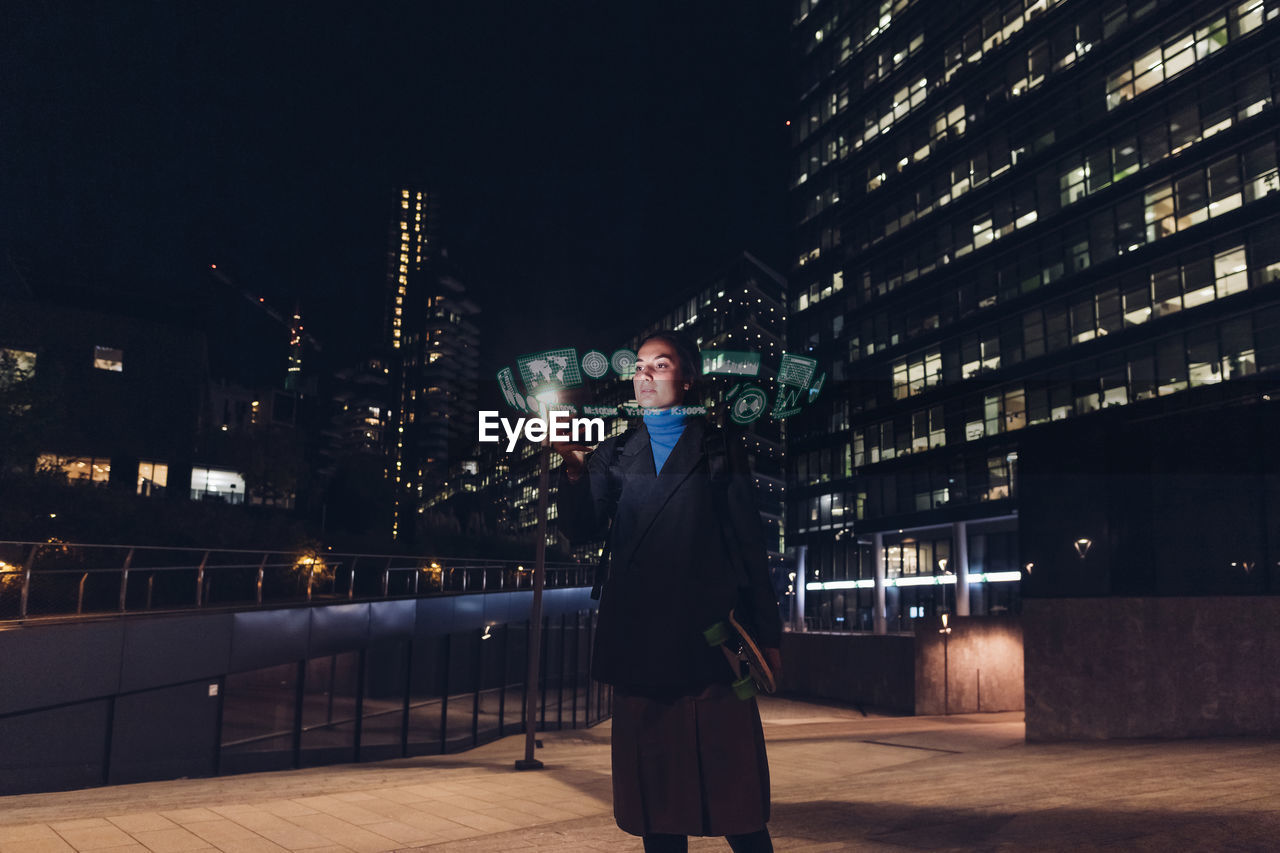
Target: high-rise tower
x: 434, y: 362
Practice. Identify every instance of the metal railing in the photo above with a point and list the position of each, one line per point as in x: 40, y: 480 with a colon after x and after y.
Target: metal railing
x: 66, y: 579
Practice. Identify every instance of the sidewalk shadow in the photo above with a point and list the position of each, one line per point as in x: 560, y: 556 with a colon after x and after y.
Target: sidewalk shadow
x: 933, y: 828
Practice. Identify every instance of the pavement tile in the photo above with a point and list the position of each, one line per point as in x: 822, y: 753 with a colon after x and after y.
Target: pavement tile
x: 339, y: 831
x: 176, y: 840
x: 286, y: 808
x: 96, y: 837
x: 251, y: 845
x: 30, y: 832
x: 221, y: 831
x: 482, y: 822
x: 37, y: 845
x: 354, y: 813
x: 186, y: 816
x: 430, y: 824
x: 84, y: 823
x: 401, y: 833
x: 404, y: 796
x: 141, y: 821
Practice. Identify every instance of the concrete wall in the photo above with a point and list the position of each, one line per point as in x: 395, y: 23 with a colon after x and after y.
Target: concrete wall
x: 977, y: 667
x: 138, y: 698
x: 1152, y: 667
x: 861, y: 669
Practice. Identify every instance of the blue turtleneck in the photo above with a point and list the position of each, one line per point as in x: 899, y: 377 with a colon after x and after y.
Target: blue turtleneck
x: 664, y: 429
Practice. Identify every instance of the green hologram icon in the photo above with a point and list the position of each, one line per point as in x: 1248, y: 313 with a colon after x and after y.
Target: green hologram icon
x: 624, y: 363
x: 507, y: 384
x: 748, y: 403
x: 816, y: 388
x: 552, y: 370
x: 595, y: 364
x: 794, y: 375
x: 731, y: 362
x: 796, y: 370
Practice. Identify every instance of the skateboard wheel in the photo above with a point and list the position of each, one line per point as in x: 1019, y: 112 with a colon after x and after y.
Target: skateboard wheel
x: 716, y: 635
x: 744, y: 688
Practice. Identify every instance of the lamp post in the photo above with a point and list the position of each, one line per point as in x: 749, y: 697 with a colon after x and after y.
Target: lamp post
x: 945, y: 631
x: 535, y: 615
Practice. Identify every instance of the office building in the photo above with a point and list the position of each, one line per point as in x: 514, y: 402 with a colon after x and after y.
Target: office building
x: 1009, y: 214
x: 742, y: 309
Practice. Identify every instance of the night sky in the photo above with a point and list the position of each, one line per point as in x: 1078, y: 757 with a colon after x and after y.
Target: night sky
x: 594, y: 158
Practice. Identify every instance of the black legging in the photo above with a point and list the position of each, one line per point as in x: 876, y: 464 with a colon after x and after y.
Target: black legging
x: 755, y: 842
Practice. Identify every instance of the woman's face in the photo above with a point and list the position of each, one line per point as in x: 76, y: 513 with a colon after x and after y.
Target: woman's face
x: 659, y: 383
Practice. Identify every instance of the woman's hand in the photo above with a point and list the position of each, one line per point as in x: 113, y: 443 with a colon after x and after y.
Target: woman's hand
x: 575, y: 458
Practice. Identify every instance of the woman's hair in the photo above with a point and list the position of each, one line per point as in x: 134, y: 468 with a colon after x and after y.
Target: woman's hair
x: 687, y: 354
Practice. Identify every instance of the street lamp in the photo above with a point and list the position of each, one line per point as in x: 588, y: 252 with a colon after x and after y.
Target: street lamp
x: 945, y: 631
x: 548, y: 399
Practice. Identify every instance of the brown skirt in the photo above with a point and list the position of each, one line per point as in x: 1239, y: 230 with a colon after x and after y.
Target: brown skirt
x: 694, y: 765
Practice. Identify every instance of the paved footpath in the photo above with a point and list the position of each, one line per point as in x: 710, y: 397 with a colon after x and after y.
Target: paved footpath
x: 841, y: 781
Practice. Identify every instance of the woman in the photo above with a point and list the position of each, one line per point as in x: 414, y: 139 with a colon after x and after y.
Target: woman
x: 674, y: 499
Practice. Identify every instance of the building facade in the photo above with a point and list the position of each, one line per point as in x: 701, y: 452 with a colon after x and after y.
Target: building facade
x: 742, y: 309
x: 1008, y: 214
x: 434, y: 357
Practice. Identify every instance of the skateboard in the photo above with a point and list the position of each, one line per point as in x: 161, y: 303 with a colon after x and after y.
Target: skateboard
x: 751, y: 671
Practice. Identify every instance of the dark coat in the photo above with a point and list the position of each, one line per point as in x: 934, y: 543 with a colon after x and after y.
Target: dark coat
x: 677, y: 567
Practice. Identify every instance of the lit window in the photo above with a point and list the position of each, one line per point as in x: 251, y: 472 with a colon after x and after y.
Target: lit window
x: 108, y: 358
x: 153, y: 477
x: 217, y: 485
x: 16, y: 366
x: 78, y: 469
